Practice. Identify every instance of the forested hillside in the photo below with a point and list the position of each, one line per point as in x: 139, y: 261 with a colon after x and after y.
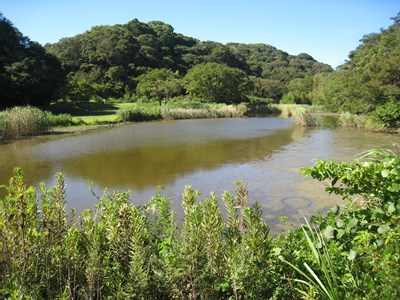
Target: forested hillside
x: 107, y: 60
x: 151, y: 61
x: 371, y: 76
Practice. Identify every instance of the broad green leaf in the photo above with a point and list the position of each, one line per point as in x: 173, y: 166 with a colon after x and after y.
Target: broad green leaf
x: 391, y: 208
x: 329, y: 232
x: 335, y: 209
x: 385, y: 173
x: 353, y: 222
x: 383, y: 229
x: 339, y: 223
x: 352, y: 255
x: 340, y: 233
x: 395, y: 187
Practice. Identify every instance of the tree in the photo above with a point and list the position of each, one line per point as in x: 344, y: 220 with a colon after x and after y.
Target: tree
x: 215, y: 82
x: 299, y: 91
x: 371, y: 76
x: 267, y: 88
x: 28, y: 74
x: 159, y: 84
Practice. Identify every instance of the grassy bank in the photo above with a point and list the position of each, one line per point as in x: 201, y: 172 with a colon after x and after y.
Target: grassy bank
x: 118, y: 250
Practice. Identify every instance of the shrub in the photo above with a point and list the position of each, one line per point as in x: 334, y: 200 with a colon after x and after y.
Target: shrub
x: 387, y: 114
x: 120, y: 250
x: 60, y: 120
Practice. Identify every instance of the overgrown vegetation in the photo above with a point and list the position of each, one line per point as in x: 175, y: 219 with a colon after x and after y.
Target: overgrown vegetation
x: 119, y: 250
x: 368, y: 79
x: 151, y: 63
x: 23, y: 121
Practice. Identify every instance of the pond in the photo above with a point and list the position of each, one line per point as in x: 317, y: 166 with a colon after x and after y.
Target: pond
x: 210, y: 155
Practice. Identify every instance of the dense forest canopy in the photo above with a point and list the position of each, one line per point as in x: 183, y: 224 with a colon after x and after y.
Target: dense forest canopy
x: 151, y: 60
x: 108, y: 60
x: 28, y: 73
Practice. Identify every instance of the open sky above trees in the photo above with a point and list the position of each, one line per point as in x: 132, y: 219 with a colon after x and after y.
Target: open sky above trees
x: 327, y: 30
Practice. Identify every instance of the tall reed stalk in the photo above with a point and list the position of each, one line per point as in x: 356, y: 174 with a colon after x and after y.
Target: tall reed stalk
x: 23, y: 121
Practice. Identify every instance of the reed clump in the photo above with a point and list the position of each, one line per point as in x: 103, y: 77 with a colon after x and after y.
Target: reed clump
x: 304, y: 118
x: 211, y: 111
x: 349, y: 120
x: 139, y: 113
x: 22, y: 121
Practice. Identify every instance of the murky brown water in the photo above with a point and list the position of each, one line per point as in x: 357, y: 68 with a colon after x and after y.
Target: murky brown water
x: 210, y: 155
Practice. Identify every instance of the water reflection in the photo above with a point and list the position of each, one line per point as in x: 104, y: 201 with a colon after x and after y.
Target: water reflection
x: 210, y: 155
x: 151, y: 165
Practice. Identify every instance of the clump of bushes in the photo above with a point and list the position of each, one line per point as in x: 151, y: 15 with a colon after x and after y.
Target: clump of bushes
x: 180, y: 109
x: 60, y: 120
x: 387, y: 115
x: 21, y: 121
x: 119, y: 250
x: 207, y: 111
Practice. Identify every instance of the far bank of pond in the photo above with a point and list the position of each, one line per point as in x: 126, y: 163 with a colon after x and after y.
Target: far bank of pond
x: 210, y: 155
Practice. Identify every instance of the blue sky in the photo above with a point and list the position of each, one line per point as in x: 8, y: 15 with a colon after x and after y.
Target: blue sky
x: 326, y: 29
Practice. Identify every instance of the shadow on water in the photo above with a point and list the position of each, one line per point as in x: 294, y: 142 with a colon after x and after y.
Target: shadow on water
x: 210, y: 155
x: 151, y: 165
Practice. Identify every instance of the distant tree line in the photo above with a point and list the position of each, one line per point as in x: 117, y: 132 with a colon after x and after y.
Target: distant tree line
x: 151, y: 61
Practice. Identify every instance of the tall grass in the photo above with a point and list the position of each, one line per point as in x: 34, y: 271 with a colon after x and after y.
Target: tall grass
x: 23, y: 121
x: 348, y: 120
x: 211, y: 111
x: 149, y: 111
x: 140, y: 112
x: 322, y: 280
x: 287, y: 110
x: 303, y: 117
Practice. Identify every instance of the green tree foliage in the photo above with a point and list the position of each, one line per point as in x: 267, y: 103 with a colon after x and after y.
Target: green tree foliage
x: 299, y: 91
x: 28, y: 74
x: 267, y: 88
x: 159, y: 84
x: 370, y: 77
x: 215, y: 82
x: 106, y: 60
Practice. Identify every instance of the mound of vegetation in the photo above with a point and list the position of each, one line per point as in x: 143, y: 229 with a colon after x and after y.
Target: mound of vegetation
x: 122, y: 251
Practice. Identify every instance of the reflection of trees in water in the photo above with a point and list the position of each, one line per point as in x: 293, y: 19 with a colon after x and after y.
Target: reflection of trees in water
x: 159, y: 164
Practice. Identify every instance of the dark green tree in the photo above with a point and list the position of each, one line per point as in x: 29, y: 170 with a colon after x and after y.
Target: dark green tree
x: 267, y: 88
x: 159, y: 84
x: 28, y: 74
